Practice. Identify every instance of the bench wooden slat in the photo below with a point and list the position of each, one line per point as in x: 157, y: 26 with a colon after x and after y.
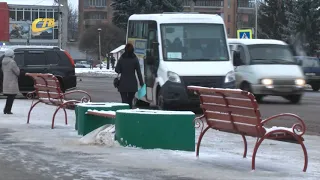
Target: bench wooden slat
x: 246, y: 129
x: 47, y: 88
x: 48, y: 82
x: 233, y: 110
x: 43, y: 94
x: 235, y: 118
x: 101, y: 114
x: 242, y: 102
x: 229, y: 95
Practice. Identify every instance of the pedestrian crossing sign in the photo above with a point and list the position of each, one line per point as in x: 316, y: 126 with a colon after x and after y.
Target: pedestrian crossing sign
x: 244, y: 34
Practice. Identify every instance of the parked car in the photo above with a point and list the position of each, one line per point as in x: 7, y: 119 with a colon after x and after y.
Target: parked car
x: 311, y: 69
x: 82, y: 64
x: 43, y: 59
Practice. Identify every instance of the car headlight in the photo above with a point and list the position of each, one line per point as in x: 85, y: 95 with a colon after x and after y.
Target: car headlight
x: 300, y: 82
x: 267, y: 82
x: 230, y: 77
x: 173, y: 77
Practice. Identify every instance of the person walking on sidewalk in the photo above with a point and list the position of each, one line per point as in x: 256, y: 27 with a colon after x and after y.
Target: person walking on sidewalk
x: 113, y: 62
x: 127, y: 66
x: 11, y: 74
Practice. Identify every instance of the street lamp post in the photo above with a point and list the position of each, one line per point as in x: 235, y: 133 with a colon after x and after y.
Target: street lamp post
x: 99, y: 31
x: 256, y: 23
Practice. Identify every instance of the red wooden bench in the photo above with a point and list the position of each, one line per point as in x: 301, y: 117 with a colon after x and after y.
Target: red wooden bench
x: 236, y: 111
x: 48, y: 91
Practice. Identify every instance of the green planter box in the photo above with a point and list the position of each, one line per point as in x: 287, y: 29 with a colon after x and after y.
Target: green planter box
x: 149, y: 129
x: 87, y: 123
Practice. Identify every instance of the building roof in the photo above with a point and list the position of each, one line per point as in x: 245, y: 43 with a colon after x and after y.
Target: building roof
x: 31, y: 2
x: 118, y: 49
x: 256, y: 41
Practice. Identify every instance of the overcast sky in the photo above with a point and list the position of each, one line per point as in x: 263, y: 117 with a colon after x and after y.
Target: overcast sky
x: 39, y: 2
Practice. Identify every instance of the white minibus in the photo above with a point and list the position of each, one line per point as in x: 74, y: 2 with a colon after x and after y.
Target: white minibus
x: 176, y: 50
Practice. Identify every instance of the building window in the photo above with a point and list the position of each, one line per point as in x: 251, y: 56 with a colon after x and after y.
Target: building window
x: 229, y: 19
x: 56, y: 16
x: 229, y: 3
x: 228, y: 31
x: 49, y: 13
x: 27, y: 14
x: 35, y: 14
x: 19, y: 14
x: 13, y: 14
x: 42, y: 13
x: 98, y: 3
x: 55, y: 33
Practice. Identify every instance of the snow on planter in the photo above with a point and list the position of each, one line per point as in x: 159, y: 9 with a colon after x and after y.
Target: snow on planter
x: 155, y: 129
x: 86, y: 123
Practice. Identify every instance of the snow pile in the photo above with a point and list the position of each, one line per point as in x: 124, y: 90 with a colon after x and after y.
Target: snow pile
x: 103, y: 135
x: 95, y: 72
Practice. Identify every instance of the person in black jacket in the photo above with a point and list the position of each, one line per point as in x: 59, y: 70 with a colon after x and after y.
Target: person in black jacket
x: 127, y: 66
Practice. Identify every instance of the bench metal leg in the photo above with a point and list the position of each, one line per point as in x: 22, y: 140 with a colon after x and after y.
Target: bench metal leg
x: 281, y: 131
x: 245, y: 146
x: 199, y: 140
x: 55, y: 113
x: 32, y: 106
x: 304, y: 153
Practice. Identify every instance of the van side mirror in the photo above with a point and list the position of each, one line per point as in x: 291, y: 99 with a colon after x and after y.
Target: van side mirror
x: 236, y: 59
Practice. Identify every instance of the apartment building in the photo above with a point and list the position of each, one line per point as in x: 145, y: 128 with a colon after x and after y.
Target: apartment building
x: 237, y: 14
x: 93, y: 12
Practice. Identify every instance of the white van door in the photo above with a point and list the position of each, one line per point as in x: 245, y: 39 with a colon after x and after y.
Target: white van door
x: 151, y: 60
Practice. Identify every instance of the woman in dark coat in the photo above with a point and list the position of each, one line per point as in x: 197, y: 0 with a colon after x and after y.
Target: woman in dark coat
x: 127, y: 66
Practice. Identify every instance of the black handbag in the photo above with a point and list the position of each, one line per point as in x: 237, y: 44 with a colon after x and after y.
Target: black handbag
x: 116, y: 81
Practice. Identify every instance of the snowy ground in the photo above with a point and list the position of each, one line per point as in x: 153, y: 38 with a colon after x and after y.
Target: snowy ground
x: 95, y: 72
x: 59, y: 152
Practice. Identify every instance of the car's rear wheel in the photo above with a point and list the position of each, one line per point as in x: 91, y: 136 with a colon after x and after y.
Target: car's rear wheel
x: 295, y: 99
x: 138, y: 103
x: 161, y: 104
x: 315, y: 87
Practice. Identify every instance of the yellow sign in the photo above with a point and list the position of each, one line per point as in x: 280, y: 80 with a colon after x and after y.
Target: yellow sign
x: 42, y: 24
x: 244, y: 34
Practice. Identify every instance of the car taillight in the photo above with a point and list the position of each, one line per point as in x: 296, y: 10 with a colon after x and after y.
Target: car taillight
x: 70, y: 58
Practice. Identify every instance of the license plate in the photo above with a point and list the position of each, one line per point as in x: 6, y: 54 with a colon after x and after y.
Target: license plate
x: 284, y: 89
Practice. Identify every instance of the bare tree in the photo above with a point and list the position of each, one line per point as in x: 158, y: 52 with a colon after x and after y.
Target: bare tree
x: 111, y: 38
x: 72, y: 23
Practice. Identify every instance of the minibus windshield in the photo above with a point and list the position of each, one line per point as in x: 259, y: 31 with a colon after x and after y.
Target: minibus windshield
x: 270, y: 54
x: 194, y: 42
